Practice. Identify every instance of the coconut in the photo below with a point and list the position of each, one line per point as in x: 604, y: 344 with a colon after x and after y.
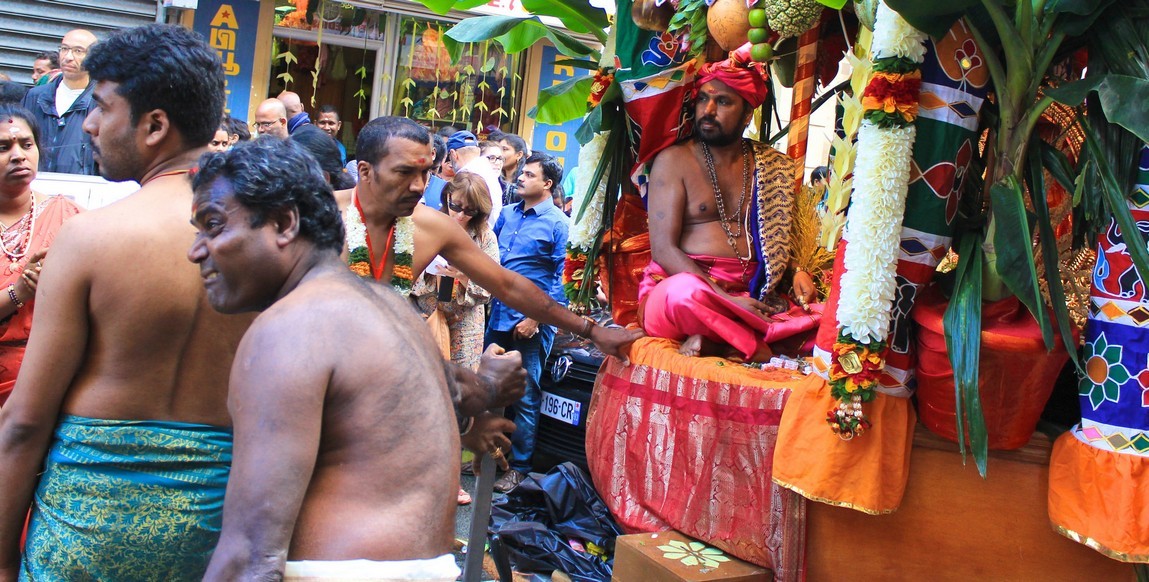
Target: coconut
x: 728, y: 23
x: 649, y: 16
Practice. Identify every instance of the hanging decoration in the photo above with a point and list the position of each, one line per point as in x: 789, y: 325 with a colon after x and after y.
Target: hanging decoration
x: 881, y: 181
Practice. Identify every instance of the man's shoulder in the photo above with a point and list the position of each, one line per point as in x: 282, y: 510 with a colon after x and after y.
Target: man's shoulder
x: 40, y: 93
x: 678, y: 150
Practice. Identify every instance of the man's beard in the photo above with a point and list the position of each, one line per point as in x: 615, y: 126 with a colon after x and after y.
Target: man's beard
x: 716, y: 136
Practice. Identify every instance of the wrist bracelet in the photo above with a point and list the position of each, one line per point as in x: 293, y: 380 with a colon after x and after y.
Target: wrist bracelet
x: 12, y: 295
x: 587, y: 326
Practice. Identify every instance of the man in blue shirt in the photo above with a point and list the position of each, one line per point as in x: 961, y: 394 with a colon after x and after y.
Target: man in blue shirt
x: 532, y: 242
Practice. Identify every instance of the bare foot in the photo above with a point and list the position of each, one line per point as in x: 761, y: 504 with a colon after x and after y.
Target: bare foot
x: 762, y: 354
x: 691, y: 347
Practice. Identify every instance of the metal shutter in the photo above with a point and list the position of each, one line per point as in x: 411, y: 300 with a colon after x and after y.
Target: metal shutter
x: 29, y: 27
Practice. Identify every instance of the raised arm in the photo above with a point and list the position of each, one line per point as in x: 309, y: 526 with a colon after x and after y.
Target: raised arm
x: 440, y: 235
x: 276, y: 402
x: 54, y: 354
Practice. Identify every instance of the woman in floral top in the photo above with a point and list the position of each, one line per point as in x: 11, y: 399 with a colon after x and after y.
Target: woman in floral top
x: 466, y: 200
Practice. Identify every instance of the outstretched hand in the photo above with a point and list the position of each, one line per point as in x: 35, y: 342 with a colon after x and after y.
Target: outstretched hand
x: 504, y: 372
x: 613, y: 341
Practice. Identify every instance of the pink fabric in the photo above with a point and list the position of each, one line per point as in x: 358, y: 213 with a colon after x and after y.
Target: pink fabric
x: 678, y: 306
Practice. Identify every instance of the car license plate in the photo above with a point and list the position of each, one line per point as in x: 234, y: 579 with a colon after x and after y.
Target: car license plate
x: 561, y: 409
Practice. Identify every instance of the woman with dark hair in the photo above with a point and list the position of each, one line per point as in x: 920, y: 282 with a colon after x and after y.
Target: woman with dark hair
x: 323, y: 148
x: 467, y: 201
x: 29, y: 222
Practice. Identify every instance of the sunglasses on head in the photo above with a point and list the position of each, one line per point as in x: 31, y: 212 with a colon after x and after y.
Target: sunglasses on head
x: 458, y: 208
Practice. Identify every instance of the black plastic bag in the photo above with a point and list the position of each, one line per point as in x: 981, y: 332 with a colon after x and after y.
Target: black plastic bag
x: 536, y: 521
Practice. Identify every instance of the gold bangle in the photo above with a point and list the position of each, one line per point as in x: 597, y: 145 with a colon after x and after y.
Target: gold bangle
x: 587, y: 326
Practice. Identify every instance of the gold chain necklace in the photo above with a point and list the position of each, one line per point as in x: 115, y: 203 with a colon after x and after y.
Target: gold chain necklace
x: 720, y: 201
x: 22, y: 241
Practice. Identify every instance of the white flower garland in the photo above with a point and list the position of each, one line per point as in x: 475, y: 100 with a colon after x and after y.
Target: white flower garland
x: 881, y: 180
x: 584, y: 232
x: 356, y: 232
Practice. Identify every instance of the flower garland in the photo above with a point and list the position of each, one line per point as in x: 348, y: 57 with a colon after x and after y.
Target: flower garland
x: 359, y: 258
x: 588, y: 218
x: 881, y: 180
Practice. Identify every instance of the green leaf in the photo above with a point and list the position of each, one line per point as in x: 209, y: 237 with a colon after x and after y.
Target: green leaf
x: 563, y: 102
x: 361, y: 72
x: 1049, y: 254
x: 835, y: 4
x: 962, y: 326
x: 591, y: 125
x: 576, y: 15
x: 489, y: 65
x: 932, y: 18
x: 445, y: 6
x: 513, y: 33
x: 1122, y: 99
x: 586, y: 64
x: 1076, y: 16
x: 1012, y: 239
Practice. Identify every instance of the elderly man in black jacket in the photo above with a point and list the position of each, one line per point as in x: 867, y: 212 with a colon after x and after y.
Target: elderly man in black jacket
x: 61, y: 106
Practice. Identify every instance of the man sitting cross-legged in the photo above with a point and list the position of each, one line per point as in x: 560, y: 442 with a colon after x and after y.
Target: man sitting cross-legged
x: 345, y: 459
x: 719, y: 229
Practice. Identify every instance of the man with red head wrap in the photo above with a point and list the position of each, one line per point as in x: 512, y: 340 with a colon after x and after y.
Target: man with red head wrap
x: 719, y: 210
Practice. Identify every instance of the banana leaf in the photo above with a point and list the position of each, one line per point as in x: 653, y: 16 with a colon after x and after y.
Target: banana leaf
x: 513, y: 33
x: 576, y: 15
x: 1036, y: 185
x: 1122, y: 98
x: 445, y: 6
x: 1013, y: 242
x: 962, y: 326
x: 563, y: 102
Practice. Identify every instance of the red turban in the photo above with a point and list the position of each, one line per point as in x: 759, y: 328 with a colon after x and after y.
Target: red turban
x: 739, y: 72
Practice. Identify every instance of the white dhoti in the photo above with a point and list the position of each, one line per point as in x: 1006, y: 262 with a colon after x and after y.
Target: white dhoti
x: 441, y: 569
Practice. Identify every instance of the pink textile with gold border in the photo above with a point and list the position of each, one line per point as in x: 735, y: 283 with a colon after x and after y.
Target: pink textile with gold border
x: 687, y: 444
x: 682, y: 305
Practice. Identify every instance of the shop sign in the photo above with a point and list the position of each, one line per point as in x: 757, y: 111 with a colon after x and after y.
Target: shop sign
x: 557, y: 140
x: 230, y: 28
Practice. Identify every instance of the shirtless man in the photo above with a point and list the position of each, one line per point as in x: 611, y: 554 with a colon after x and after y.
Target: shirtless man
x: 124, y: 384
x: 719, y: 229
x: 395, y: 158
x: 322, y: 427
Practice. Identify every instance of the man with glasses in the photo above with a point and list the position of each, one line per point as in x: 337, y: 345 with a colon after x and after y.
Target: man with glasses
x: 271, y: 118
x: 60, y: 107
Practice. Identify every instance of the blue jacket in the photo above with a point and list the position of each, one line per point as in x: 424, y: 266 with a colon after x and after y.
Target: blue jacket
x: 64, y: 147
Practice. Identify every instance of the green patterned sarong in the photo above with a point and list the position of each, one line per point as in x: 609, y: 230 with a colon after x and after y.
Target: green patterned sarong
x: 128, y: 500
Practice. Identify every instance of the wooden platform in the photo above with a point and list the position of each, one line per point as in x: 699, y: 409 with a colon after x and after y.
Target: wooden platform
x: 952, y: 525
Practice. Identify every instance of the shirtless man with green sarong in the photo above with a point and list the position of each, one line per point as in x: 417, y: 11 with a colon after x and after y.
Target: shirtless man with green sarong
x: 118, y: 420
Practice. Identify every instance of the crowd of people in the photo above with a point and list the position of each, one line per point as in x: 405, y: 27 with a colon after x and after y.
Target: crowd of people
x: 255, y: 394
x: 179, y: 377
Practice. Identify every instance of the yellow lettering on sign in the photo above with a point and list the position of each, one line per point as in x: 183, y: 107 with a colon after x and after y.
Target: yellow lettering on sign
x: 223, y: 39
x: 564, y: 71
x: 556, y: 141
x: 561, y: 160
x: 230, y: 67
x: 225, y: 16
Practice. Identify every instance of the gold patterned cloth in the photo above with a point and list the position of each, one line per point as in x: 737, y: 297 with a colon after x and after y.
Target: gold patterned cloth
x: 128, y: 500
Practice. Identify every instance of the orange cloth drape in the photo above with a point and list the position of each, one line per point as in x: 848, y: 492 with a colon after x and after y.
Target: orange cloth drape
x: 868, y: 473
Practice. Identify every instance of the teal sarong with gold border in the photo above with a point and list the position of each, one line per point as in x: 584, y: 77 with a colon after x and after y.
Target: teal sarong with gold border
x: 128, y: 500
